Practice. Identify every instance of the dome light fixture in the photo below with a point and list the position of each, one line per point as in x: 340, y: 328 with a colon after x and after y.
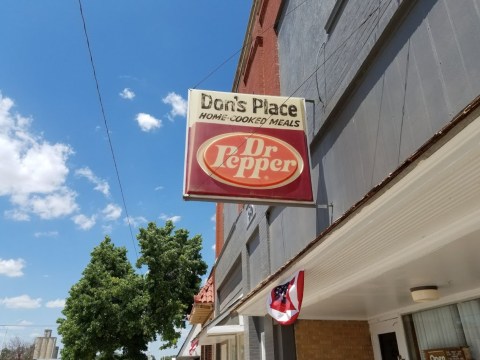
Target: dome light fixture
x: 427, y: 293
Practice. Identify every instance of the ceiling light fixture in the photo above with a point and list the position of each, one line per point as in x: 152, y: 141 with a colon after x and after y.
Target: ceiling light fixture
x: 425, y: 293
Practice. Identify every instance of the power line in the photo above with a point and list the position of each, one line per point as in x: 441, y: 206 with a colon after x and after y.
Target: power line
x: 29, y: 325
x: 334, y: 51
x: 362, y: 23
x: 106, y: 126
x: 227, y: 60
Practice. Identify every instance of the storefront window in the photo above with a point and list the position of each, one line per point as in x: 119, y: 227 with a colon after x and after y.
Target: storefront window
x: 235, y: 348
x: 232, y: 347
x: 240, y: 346
x: 452, y: 326
x: 470, y: 316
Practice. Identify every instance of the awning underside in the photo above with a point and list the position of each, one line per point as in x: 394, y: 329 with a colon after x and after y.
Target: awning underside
x: 217, y: 334
x: 423, y: 229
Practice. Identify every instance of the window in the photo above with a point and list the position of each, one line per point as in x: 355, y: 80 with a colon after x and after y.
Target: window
x: 254, y: 260
x: 452, y: 326
x: 231, y: 285
x: 250, y: 213
x: 260, y: 333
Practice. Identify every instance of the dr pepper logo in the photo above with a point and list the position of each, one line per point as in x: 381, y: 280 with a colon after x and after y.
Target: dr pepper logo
x: 247, y: 160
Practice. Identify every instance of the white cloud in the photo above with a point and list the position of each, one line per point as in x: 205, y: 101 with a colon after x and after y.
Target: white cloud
x: 178, y: 104
x: 174, y: 219
x: 28, y: 166
x: 58, y: 303
x: 159, y: 188
x: 84, y: 222
x: 100, y: 184
x: 214, y: 247
x: 50, y: 206
x: 127, y: 94
x: 39, y: 234
x: 32, y: 171
x: 112, y: 212
x: 20, y: 325
x: 214, y: 220
x: 34, y: 335
x: 21, y: 302
x: 107, y: 229
x: 11, y: 267
x: 135, y: 221
x: 23, y: 323
x: 148, y: 122
x: 16, y: 215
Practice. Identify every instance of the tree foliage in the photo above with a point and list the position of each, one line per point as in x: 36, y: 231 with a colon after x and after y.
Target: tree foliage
x: 104, y: 311
x: 113, y: 312
x: 175, y: 266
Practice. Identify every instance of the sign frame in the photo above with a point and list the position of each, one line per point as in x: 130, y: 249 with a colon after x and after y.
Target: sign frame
x: 247, y: 148
x: 448, y: 353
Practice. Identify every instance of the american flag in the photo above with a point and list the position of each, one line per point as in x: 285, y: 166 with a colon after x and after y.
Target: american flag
x: 284, y: 301
x: 193, y: 346
x: 280, y: 293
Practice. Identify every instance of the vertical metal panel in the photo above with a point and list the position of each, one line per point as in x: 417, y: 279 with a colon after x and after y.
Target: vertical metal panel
x: 291, y: 229
x: 448, y: 55
x: 301, y: 233
x: 432, y: 87
x: 422, y: 74
x: 465, y: 22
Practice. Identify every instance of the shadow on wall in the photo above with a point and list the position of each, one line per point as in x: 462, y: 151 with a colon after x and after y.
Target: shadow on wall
x: 361, y: 141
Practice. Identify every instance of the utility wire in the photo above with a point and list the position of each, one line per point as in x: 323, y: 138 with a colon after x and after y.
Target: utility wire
x: 338, y: 47
x: 362, y: 23
x: 207, y: 77
x: 29, y: 325
x: 228, y: 59
x: 219, y: 66
x: 99, y: 95
x: 106, y: 126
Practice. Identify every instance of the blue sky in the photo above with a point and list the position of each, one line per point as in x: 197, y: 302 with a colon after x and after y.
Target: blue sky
x: 59, y: 193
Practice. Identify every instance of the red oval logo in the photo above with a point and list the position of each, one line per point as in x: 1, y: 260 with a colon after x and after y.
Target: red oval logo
x: 254, y: 161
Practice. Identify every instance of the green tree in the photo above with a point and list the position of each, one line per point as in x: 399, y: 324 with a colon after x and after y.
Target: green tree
x: 113, y: 313
x: 105, y: 309
x: 175, y: 267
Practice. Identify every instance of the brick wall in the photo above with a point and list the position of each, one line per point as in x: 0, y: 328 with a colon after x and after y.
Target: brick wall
x: 260, y: 71
x: 333, y: 340
x: 219, y: 221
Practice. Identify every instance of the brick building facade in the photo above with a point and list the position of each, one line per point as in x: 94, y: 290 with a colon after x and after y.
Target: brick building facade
x: 393, y: 126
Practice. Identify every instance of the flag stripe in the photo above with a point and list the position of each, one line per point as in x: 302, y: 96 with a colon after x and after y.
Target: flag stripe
x: 285, y: 300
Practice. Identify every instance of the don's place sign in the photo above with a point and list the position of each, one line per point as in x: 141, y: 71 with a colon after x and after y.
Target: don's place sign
x: 246, y: 148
